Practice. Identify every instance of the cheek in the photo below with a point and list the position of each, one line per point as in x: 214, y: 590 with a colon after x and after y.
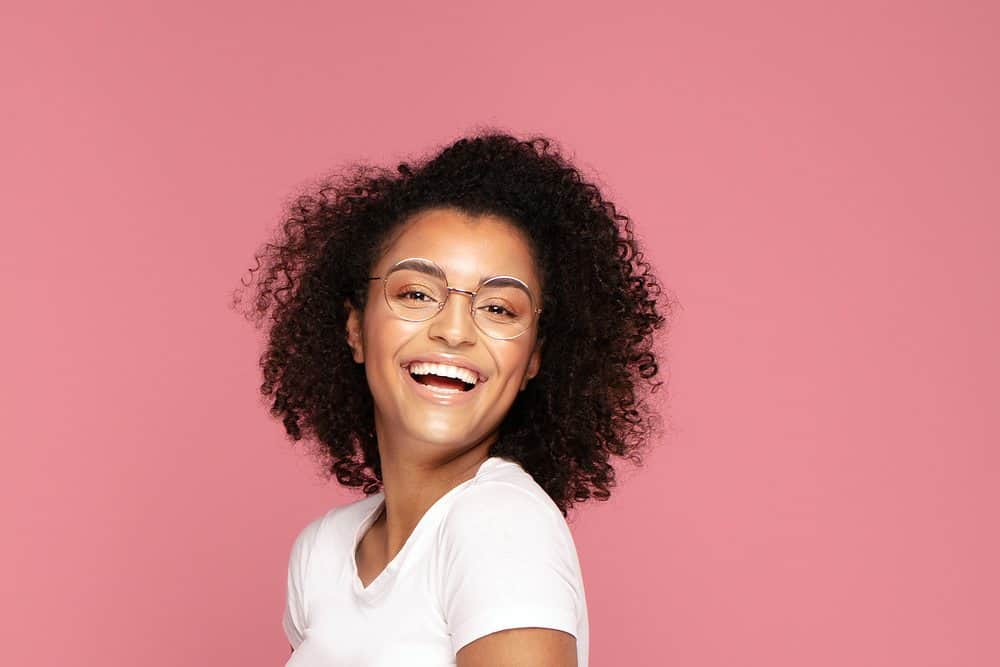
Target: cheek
x: 513, y: 359
x: 383, y: 338
x: 383, y: 335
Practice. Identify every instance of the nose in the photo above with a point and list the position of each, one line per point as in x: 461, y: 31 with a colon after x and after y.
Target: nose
x: 454, y: 324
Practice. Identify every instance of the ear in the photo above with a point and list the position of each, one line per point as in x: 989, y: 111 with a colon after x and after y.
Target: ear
x: 534, y: 364
x: 354, y: 337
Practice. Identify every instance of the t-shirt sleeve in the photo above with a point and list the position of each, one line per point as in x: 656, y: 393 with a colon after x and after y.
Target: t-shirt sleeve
x: 506, y: 562
x: 294, y: 619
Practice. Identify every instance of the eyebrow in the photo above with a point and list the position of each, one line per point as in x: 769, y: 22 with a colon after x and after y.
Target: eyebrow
x: 423, y: 267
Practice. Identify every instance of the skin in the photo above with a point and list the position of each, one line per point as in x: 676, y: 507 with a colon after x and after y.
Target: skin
x: 428, y: 449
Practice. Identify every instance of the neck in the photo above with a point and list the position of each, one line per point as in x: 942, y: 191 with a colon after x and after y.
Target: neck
x: 414, y: 476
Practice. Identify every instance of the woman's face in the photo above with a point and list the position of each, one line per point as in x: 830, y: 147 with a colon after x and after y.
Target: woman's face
x: 409, y: 411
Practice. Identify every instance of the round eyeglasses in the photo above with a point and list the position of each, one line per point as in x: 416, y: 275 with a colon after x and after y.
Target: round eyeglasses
x: 416, y: 289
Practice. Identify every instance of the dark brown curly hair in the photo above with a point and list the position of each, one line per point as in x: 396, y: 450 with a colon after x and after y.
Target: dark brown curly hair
x: 603, y: 304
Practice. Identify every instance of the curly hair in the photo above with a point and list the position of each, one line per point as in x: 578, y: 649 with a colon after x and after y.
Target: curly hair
x: 587, y: 401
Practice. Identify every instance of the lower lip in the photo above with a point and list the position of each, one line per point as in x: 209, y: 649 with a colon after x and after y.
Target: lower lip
x: 440, y: 397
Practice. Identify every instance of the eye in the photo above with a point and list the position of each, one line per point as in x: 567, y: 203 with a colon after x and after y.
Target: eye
x: 499, y: 311
x: 415, y: 295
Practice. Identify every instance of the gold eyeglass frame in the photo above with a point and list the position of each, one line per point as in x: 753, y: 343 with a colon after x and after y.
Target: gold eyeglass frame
x: 449, y: 289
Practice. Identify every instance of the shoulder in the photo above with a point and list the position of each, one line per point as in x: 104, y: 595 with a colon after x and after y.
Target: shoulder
x: 505, y: 510
x: 501, y: 503
x: 506, y: 493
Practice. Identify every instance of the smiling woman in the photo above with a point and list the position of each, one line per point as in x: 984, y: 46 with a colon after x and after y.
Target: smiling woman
x: 468, y: 339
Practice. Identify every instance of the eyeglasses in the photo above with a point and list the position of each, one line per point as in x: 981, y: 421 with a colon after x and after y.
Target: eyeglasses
x: 416, y: 290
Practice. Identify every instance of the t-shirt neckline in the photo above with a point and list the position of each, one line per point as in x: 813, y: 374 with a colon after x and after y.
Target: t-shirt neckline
x: 384, y: 579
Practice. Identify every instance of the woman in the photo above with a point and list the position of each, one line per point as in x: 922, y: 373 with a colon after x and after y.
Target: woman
x: 468, y: 339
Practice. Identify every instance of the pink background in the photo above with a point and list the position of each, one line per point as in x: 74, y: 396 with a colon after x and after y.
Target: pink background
x: 817, y: 185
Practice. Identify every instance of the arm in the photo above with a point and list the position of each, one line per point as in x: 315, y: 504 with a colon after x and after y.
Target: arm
x: 520, y: 647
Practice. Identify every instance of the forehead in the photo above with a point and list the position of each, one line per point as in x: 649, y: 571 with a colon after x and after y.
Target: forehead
x: 468, y: 248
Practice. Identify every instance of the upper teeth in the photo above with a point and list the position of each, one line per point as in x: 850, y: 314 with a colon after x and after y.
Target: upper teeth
x: 444, y: 370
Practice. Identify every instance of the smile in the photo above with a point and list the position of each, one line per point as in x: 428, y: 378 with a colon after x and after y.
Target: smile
x: 441, y: 383
x: 444, y: 376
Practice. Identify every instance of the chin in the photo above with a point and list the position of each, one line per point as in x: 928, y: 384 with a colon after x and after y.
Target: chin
x: 444, y: 433
x: 439, y: 436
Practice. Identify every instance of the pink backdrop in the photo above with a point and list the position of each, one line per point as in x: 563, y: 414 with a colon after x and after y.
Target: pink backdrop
x: 816, y: 184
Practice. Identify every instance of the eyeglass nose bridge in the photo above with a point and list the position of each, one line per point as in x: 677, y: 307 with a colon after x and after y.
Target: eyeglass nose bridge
x: 470, y: 294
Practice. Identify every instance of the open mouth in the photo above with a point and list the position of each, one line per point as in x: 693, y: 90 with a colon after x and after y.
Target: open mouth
x: 439, y: 382
x: 442, y: 377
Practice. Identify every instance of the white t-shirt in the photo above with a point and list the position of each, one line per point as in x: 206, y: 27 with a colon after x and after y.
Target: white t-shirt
x: 492, y: 553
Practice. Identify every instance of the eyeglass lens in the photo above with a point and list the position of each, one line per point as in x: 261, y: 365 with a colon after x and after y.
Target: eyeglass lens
x: 502, y: 307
